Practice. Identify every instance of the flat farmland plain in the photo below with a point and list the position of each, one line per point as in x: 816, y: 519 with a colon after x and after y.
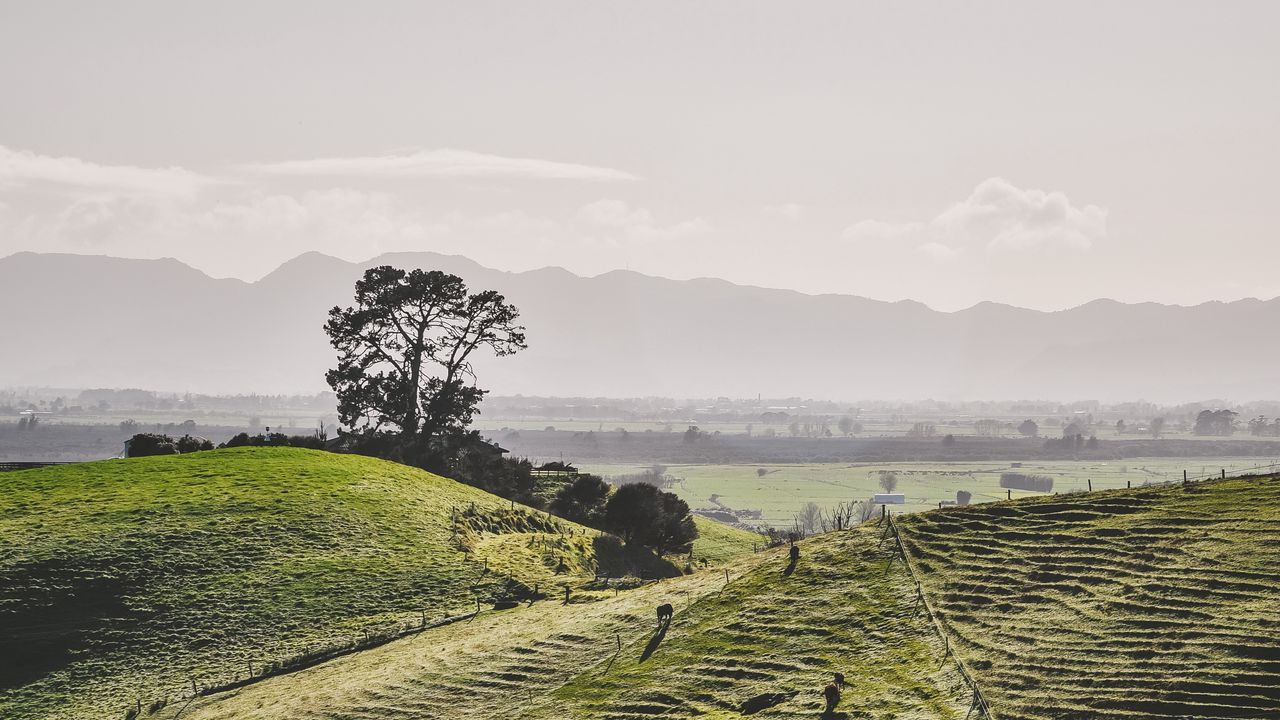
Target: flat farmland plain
x: 783, y: 489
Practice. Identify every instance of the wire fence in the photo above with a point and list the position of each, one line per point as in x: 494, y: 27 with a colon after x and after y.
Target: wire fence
x: 979, y: 702
x: 313, y: 656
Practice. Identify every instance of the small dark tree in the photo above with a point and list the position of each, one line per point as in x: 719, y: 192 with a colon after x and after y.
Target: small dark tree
x: 1029, y: 428
x: 149, y: 444
x: 761, y: 472
x: 963, y: 497
x: 582, y: 501
x: 675, y: 532
x: 888, y: 480
x: 632, y: 509
x: 1157, y: 428
x: 846, y: 425
x: 188, y: 443
x: 645, y: 515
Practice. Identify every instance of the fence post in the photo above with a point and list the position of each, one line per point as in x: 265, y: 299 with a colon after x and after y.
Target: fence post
x: 1128, y: 483
x: 193, y: 686
x: 1224, y: 473
x: 1184, y: 476
x: 1090, y: 484
x: 1009, y: 494
x: 726, y: 576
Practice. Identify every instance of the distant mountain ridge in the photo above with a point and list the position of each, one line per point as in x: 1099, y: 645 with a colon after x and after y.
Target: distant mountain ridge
x: 90, y: 321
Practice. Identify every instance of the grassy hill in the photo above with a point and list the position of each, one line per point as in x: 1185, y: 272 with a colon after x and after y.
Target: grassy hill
x: 769, y: 632
x: 126, y: 580
x: 1147, y: 603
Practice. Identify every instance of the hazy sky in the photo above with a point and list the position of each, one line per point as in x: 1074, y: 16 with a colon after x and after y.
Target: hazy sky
x: 1040, y: 154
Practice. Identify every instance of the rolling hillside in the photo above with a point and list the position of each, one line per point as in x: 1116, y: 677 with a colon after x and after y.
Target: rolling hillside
x: 765, y: 643
x: 129, y: 580
x: 1136, y: 604
x: 1148, y: 603
x: 616, y: 335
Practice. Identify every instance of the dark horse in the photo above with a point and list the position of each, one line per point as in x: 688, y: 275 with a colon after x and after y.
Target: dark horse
x: 665, y: 611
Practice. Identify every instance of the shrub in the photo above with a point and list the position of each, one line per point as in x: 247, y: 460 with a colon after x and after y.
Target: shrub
x: 643, y: 514
x: 963, y: 497
x: 1022, y: 481
x: 149, y: 444
x: 310, y: 442
x: 188, y: 443
x: 582, y: 500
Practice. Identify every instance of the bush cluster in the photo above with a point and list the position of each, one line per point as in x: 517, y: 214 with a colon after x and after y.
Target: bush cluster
x: 1023, y: 481
x: 310, y: 442
x: 149, y: 444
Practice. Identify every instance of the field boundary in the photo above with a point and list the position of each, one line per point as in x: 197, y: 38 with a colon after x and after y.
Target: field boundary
x: 286, y: 667
x: 978, y: 702
x: 939, y: 622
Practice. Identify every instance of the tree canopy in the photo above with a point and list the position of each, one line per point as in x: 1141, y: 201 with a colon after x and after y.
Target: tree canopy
x: 405, y: 352
x: 643, y: 514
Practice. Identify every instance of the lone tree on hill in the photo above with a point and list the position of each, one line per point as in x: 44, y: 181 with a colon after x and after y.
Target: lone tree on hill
x: 404, y: 377
x: 888, y: 480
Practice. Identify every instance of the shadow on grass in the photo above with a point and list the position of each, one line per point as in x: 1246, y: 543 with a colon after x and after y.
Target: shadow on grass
x: 655, y: 641
x: 617, y: 560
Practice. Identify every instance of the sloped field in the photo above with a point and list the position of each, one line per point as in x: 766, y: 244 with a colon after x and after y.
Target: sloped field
x: 772, y: 636
x: 1149, y: 603
x: 126, y: 581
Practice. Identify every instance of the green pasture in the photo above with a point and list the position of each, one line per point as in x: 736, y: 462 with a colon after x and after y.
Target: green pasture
x: 784, y: 489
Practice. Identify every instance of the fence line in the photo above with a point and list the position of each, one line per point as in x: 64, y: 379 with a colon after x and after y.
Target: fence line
x: 301, y: 661
x: 939, y: 623
x: 305, y: 660
x: 979, y: 702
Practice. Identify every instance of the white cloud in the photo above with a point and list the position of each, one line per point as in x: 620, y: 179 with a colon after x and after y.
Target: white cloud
x: 1008, y: 217
x: 21, y: 168
x: 636, y: 223
x: 440, y: 163
x: 997, y: 216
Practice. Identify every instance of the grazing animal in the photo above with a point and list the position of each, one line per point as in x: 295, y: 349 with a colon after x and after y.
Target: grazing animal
x: 665, y: 611
x: 832, y: 693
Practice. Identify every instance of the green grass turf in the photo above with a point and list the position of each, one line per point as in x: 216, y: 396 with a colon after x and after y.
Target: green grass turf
x: 843, y: 608
x: 124, y: 579
x: 1144, y: 603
